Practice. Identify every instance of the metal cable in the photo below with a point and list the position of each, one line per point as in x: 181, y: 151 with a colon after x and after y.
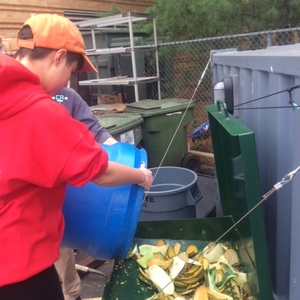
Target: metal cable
x: 273, y: 94
x: 178, y: 127
x: 286, y: 179
x: 145, y: 195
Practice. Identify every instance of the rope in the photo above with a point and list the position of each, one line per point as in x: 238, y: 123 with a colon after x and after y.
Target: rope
x: 286, y: 179
x: 178, y: 127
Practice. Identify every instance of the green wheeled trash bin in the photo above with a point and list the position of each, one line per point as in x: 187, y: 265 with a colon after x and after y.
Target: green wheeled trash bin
x: 124, y: 127
x: 164, y: 129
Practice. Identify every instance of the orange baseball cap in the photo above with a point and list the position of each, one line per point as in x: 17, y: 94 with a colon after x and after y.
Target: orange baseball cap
x: 56, y: 32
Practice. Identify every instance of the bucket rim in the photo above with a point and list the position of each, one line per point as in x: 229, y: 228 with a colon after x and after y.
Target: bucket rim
x: 174, y: 190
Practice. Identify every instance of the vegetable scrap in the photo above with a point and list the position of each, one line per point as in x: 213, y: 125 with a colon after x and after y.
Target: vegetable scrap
x: 215, y: 273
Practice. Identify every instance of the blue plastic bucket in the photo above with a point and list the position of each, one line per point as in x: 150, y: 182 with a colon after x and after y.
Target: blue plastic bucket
x: 101, y: 221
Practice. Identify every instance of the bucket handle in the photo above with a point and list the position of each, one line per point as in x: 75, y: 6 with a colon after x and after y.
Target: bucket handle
x: 195, y: 197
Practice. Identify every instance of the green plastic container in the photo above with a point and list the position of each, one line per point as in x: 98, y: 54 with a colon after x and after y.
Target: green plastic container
x: 124, y: 127
x: 163, y: 120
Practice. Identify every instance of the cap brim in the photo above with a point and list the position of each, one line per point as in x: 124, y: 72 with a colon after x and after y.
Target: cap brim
x: 87, y: 65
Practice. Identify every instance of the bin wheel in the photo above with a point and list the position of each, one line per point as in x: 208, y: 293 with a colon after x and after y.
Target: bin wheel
x: 191, y: 162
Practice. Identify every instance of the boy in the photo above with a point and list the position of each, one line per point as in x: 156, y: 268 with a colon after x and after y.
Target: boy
x: 38, y: 158
x: 80, y: 111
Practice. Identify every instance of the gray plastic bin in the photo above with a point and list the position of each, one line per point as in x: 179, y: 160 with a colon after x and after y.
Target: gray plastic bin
x: 173, y: 195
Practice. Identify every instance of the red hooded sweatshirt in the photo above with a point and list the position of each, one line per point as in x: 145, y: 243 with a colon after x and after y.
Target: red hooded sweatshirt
x: 42, y: 148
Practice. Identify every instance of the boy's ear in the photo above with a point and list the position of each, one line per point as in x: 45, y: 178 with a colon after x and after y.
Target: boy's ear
x: 59, y: 56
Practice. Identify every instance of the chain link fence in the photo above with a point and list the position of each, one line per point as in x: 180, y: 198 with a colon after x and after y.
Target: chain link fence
x: 181, y: 66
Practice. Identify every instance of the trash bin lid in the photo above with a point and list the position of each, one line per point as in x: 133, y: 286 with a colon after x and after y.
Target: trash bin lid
x: 152, y: 107
x: 238, y: 180
x: 119, y: 122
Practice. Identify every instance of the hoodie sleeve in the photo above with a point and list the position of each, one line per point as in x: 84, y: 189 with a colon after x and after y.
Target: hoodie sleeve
x: 80, y: 158
x: 52, y: 148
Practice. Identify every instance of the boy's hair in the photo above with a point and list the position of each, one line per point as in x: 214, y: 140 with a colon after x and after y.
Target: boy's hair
x: 39, y: 52
x: 44, y: 33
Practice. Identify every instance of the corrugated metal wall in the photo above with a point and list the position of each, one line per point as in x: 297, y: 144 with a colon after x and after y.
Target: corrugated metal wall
x: 272, y: 72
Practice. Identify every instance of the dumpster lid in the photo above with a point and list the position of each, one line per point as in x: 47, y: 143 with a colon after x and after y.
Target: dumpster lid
x: 235, y: 161
x: 238, y: 180
x: 153, y: 107
x: 119, y: 122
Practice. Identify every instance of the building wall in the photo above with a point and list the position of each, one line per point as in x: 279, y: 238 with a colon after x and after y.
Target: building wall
x: 14, y: 14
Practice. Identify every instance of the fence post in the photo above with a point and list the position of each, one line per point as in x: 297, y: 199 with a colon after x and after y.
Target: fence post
x: 269, y: 39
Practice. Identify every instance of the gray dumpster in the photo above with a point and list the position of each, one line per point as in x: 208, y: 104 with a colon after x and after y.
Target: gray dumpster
x: 265, y: 92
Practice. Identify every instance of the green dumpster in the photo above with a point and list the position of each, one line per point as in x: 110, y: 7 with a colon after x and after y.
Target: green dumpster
x: 124, y: 127
x: 238, y: 179
x: 164, y: 129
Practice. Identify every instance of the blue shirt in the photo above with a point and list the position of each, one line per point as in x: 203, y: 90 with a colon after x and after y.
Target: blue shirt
x: 80, y: 111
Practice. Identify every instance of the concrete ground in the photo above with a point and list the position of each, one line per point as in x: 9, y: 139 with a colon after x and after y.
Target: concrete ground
x: 93, y: 284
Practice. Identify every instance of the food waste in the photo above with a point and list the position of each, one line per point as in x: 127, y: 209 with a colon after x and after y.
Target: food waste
x: 215, y: 273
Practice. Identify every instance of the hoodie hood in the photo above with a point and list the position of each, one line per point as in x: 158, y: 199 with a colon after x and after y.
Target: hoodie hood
x: 19, y: 87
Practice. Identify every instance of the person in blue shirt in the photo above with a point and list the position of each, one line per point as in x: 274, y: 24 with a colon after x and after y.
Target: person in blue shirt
x: 79, y: 110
